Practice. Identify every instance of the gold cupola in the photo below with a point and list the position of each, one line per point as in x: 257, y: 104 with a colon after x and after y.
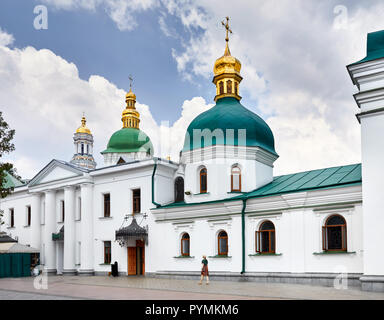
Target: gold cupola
x: 83, y: 128
x: 227, y: 72
x: 130, y: 117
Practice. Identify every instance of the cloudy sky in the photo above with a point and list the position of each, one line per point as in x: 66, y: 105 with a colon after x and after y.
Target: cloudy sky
x: 293, y: 55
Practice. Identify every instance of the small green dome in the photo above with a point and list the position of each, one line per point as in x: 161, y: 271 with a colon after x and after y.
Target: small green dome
x: 129, y: 140
x: 229, y: 113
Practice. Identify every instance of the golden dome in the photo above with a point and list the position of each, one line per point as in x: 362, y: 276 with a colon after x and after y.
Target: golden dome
x: 226, y: 71
x: 83, y: 128
x: 130, y: 95
x: 130, y: 116
x: 227, y: 64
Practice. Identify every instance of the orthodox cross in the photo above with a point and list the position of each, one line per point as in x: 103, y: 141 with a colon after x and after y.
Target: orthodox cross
x: 226, y: 25
x: 130, y: 81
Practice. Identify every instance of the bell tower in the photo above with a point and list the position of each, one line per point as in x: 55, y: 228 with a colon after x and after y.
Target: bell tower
x: 83, y: 141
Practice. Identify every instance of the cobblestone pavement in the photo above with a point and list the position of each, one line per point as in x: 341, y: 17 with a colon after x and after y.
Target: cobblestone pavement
x: 141, y: 288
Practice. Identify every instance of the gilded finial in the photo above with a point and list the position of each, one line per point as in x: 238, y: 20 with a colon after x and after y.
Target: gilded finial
x: 130, y: 117
x: 227, y: 29
x: 227, y: 70
x: 83, y: 128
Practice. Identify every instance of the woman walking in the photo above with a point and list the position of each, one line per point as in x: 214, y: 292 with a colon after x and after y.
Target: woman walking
x: 204, y: 270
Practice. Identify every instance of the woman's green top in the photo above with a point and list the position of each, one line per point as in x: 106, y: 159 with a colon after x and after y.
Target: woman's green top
x: 205, y: 262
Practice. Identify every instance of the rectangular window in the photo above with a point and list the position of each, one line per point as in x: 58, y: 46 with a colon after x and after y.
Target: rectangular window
x: 12, y: 218
x: 136, y: 201
x: 107, y: 252
x: 107, y: 205
x: 28, y: 216
x: 62, y: 210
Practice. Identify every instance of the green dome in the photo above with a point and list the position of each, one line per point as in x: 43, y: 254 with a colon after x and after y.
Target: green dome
x: 229, y: 113
x: 129, y: 140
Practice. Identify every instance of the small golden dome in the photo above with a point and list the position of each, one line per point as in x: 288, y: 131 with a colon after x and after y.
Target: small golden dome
x: 83, y: 128
x: 130, y: 95
x: 130, y: 116
x: 227, y: 64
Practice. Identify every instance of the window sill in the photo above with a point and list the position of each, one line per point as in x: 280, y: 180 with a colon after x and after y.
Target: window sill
x: 184, y: 257
x: 104, y: 264
x: 236, y: 192
x: 78, y: 220
x: 220, y: 257
x: 333, y: 252
x: 105, y: 218
x: 11, y: 228
x: 264, y: 254
x: 27, y: 226
x: 200, y: 194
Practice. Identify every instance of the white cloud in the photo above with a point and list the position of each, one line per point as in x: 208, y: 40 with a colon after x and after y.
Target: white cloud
x: 293, y: 62
x: 122, y: 12
x: 43, y: 99
x: 5, y: 38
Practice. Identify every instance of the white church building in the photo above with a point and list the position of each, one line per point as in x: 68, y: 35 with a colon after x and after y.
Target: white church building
x: 156, y: 218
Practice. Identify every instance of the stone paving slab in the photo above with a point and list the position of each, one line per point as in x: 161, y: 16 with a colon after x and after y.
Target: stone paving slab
x: 142, y: 288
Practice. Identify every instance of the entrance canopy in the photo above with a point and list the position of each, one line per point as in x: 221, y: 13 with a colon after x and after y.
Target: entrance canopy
x: 132, y: 232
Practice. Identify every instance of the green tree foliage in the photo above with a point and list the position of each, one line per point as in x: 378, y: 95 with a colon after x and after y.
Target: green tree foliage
x: 6, y: 146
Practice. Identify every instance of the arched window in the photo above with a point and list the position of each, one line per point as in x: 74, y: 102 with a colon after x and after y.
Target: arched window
x: 203, y: 180
x: 265, y: 238
x: 229, y: 86
x: 185, y: 241
x: 179, y: 189
x: 82, y: 148
x: 236, y: 179
x: 335, y: 234
x: 87, y: 148
x: 222, y: 245
x: 236, y: 88
x: 221, y: 87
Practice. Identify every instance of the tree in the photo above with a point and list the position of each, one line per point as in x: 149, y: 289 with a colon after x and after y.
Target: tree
x: 6, y: 147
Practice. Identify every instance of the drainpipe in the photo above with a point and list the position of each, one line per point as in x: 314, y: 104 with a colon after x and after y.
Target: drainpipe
x: 153, y: 184
x: 243, y: 234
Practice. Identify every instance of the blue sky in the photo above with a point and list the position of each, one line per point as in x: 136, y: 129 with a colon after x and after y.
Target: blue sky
x: 95, y: 44
x: 293, y: 55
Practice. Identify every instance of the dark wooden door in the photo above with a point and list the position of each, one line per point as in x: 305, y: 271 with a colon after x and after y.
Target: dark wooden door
x: 140, y: 244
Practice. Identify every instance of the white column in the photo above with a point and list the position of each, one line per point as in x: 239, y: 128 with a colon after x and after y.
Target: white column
x: 69, y: 231
x: 50, y: 224
x: 35, y: 221
x: 86, y: 227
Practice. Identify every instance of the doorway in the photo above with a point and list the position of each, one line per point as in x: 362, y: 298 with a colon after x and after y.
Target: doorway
x: 136, y: 259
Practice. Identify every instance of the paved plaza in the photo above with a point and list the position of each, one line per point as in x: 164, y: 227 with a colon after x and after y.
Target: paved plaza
x: 142, y: 288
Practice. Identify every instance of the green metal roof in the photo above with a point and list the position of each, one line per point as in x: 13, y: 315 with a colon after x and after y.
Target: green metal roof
x: 227, y: 114
x: 375, y: 47
x: 309, y: 180
x: 320, y: 179
x: 129, y: 140
x: 10, y: 181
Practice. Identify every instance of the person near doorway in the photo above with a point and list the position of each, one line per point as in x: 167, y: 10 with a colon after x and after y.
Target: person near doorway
x: 204, y: 270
